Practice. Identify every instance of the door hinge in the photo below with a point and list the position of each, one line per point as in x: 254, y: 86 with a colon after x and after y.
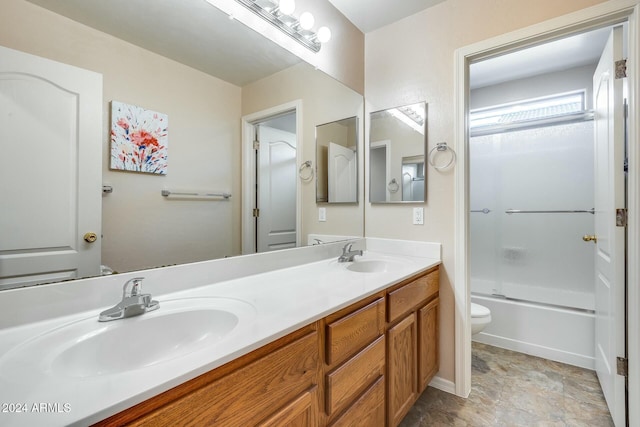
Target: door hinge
x: 256, y: 145
x: 621, y: 217
x: 256, y: 213
x: 622, y: 366
x: 621, y: 69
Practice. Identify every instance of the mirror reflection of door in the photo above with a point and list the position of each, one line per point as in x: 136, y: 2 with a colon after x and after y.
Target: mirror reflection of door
x: 276, y: 201
x: 337, y: 161
x: 342, y: 174
x: 50, y: 126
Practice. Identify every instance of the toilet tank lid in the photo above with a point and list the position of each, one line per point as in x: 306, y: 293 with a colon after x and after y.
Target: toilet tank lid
x: 478, y: 310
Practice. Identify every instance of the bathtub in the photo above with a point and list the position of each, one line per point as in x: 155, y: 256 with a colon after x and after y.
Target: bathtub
x: 561, y: 334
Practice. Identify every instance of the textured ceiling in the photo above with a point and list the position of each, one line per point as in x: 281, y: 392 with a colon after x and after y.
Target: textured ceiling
x: 369, y: 15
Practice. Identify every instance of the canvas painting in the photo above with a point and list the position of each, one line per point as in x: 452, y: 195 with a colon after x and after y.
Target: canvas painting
x: 139, y: 139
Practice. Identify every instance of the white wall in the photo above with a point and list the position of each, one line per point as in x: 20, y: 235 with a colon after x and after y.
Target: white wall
x: 140, y: 227
x: 413, y: 60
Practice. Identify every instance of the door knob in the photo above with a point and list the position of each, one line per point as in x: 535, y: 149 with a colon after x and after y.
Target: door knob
x: 90, y: 237
x: 589, y: 238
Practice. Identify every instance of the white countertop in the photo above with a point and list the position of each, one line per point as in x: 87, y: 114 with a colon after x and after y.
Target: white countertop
x: 282, y: 301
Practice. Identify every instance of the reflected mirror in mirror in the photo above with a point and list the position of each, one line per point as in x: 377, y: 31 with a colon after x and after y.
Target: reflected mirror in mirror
x: 195, y: 65
x: 397, y: 146
x: 337, y: 161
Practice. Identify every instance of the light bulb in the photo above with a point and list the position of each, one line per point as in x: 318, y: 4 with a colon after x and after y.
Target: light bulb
x: 307, y: 20
x: 324, y: 34
x: 287, y: 6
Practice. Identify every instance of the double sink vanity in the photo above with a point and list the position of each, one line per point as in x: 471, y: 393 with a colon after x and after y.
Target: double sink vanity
x: 287, y: 338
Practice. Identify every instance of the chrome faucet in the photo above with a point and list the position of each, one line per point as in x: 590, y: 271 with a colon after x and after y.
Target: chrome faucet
x: 133, y: 302
x: 347, y: 254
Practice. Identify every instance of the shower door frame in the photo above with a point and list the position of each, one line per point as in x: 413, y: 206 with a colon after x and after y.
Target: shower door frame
x: 604, y: 14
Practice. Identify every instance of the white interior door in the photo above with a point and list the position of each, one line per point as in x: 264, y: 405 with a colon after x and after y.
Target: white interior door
x: 609, y: 195
x: 342, y: 174
x: 50, y: 170
x: 277, y: 198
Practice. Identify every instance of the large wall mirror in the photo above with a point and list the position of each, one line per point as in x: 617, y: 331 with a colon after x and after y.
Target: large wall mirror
x: 397, y: 148
x: 337, y: 161
x: 206, y: 72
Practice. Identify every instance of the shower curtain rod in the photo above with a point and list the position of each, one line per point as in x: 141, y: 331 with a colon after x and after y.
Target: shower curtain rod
x: 512, y: 211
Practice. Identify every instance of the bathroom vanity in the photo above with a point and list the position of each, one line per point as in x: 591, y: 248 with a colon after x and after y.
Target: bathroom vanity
x: 301, y: 339
x: 379, y: 353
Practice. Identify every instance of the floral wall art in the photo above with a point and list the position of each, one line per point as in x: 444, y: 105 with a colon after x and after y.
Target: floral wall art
x: 139, y: 139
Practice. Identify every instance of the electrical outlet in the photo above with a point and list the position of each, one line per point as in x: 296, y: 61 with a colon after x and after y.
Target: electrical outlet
x: 322, y: 214
x: 418, y: 216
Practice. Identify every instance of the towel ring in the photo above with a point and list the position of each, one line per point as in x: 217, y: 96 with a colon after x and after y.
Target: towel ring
x: 305, y: 172
x: 393, y: 186
x: 441, y: 147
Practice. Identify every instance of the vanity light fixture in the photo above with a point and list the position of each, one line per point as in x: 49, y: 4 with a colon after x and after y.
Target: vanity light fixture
x: 412, y: 115
x: 279, y: 13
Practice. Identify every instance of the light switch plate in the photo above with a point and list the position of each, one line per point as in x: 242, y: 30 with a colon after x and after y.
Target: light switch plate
x: 418, y: 216
x: 322, y: 214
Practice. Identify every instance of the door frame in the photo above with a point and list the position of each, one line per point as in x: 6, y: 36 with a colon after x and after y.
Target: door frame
x: 607, y: 13
x: 386, y: 144
x: 249, y: 122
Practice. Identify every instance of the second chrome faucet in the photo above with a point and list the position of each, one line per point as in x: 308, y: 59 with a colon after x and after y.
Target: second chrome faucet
x: 347, y: 254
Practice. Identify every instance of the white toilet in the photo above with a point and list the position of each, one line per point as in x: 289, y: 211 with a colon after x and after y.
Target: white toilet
x: 480, y: 318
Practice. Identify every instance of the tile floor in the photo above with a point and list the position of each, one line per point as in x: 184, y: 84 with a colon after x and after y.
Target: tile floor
x: 514, y: 389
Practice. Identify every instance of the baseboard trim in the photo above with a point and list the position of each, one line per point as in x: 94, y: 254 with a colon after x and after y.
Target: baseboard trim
x: 444, y: 385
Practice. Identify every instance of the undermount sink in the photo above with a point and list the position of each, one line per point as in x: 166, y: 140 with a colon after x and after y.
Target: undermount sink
x: 87, y: 348
x: 373, y: 266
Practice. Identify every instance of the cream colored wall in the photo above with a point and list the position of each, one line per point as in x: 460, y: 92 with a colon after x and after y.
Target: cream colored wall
x: 343, y: 56
x: 140, y: 227
x: 323, y: 100
x: 413, y: 60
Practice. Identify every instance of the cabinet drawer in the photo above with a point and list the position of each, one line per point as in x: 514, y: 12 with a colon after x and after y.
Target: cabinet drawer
x: 352, y: 332
x: 368, y: 410
x: 352, y: 377
x: 406, y: 298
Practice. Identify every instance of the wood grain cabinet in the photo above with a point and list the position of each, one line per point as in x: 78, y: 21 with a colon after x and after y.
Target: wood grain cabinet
x: 364, y: 365
x: 242, y: 393
x: 355, y: 348
x: 428, y: 339
x: 301, y: 412
x: 402, y: 368
x: 412, y: 347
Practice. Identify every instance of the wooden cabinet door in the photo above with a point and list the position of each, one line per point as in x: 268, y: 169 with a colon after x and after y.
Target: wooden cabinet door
x: 301, y: 412
x: 428, y: 339
x: 402, y: 369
